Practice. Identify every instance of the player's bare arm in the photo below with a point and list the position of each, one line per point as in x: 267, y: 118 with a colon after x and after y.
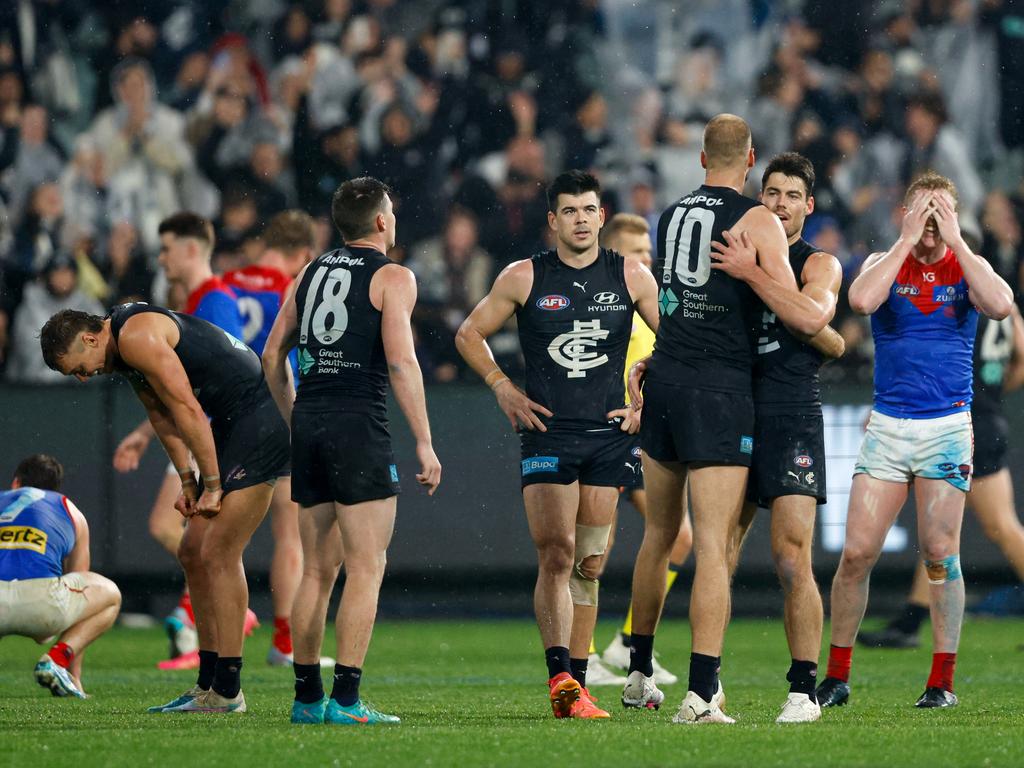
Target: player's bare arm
x: 643, y: 289
x: 751, y: 253
x: 823, y: 274
x: 78, y: 559
x: 870, y: 288
x: 147, y: 344
x: 989, y: 293
x: 393, y: 292
x: 132, y: 447
x: 283, y: 337
x: 510, y: 290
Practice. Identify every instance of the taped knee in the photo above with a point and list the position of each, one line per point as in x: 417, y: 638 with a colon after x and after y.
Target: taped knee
x: 591, y: 541
x: 941, y: 571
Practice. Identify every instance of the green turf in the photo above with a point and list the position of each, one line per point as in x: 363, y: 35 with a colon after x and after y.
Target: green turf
x: 472, y: 693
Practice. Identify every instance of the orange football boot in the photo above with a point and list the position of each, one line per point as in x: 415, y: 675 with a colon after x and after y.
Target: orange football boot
x: 565, y: 692
x: 586, y: 709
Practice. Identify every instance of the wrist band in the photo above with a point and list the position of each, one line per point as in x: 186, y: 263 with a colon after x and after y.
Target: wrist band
x: 214, y: 479
x: 489, y: 378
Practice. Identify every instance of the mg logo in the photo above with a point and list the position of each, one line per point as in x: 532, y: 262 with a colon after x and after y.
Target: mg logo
x: 575, y: 350
x: 606, y: 297
x: 552, y: 302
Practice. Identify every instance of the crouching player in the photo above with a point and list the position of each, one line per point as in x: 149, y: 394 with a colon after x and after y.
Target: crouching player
x: 46, y: 587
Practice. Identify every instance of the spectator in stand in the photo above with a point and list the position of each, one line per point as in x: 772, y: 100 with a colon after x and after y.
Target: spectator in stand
x: 36, y: 240
x: 128, y: 275
x: 56, y: 289
x: 84, y: 190
x: 1002, y: 244
x: 269, y: 181
x: 34, y: 161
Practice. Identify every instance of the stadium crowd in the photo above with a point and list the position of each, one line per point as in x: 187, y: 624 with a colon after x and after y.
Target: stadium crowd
x: 115, y: 115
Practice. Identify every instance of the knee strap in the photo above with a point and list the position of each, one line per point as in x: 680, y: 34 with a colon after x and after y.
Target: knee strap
x: 591, y: 541
x: 941, y: 571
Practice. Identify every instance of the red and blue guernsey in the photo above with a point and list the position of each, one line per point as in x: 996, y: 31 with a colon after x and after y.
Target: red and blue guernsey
x: 216, y: 303
x: 36, y: 534
x: 924, y: 342
x: 261, y: 292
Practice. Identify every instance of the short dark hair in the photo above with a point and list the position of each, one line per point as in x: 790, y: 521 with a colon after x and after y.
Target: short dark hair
x: 791, y: 164
x: 61, y: 329
x: 355, y: 206
x: 40, y: 471
x: 573, y: 182
x: 290, y: 230
x: 188, y: 224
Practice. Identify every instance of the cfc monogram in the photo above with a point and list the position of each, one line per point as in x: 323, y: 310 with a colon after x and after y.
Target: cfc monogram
x: 574, y: 350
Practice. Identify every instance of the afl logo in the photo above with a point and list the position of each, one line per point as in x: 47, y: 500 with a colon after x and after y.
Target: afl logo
x: 606, y: 297
x: 553, y: 302
x: 803, y: 461
x: 636, y: 452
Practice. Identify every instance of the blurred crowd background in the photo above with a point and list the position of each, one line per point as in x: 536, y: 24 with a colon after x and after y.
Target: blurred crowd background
x: 116, y: 114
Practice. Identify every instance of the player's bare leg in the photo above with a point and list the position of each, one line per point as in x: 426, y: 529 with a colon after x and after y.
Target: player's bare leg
x: 322, y: 557
x: 792, y: 534
x: 874, y: 505
x: 165, y: 522
x: 190, y: 555
x: 991, y: 499
x: 285, y: 568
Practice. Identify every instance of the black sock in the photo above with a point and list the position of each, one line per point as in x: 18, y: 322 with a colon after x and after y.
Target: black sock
x: 227, y: 677
x: 625, y: 639
x: 641, y: 652
x: 309, y: 688
x: 578, y: 669
x: 346, y: 685
x: 802, y: 676
x: 910, y: 620
x: 557, y: 658
x: 207, y: 664
x: 704, y: 675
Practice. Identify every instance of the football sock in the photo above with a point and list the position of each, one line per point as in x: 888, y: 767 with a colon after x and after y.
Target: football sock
x: 227, y: 677
x: 282, y: 634
x: 346, y: 684
x: 557, y: 658
x: 910, y: 619
x: 839, y: 660
x: 704, y: 675
x: 62, y: 655
x: 185, y: 603
x: 801, y: 677
x: 207, y: 665
x: 641, y: 651
x: 309, y: 688
x: 943, y: 666
x: 578, y: 669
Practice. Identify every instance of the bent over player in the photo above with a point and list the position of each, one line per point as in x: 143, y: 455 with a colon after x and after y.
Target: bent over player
x: 923, y: 295
x: 46, y: 587
x: 184, y: 369
x: 574, y: 308
x: 349, y: 314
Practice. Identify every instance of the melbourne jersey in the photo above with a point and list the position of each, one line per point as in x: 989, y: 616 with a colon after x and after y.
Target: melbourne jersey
x: 214, y: 302
x: 260, y: 291
x: 341, y: 352
x: 993, y: 349
x: 708, y: 319
x: 224, y: 374
x: 786, y: 369
x: 574, y: 329
x: 924, y: 341
x: 36, y: 534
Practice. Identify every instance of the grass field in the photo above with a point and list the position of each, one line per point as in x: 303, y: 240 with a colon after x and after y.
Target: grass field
x: 472, y: 693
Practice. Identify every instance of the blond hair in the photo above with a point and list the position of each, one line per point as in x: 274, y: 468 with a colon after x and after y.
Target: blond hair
x: 726, y: 141
x: 930, y: 181
x: 624, y: 223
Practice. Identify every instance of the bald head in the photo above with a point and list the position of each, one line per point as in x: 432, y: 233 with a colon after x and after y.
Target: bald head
x: 726, y: 142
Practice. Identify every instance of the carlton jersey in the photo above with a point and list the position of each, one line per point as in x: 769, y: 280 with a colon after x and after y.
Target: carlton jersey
x: 36, y: 534
x: 225, y: 375
x: 993, y: 349
x: 214, y: 302
x: 341, y: 352
x: 786, y: 369
x: 924, y: 341
x: 709, y: 320
x: 574, y: 330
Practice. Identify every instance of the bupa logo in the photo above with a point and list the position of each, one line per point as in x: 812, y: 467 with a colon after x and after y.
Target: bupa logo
x: 606, y: 297
x: 540, y: 464
x: 804, y: 461
x: 553, y: 302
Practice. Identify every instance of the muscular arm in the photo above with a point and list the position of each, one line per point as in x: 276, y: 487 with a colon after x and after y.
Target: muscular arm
x: 989, y: 293
x: 78, y: 559
x: 1015, y: 374
x: 397, y: 299
x: 146, y: 345
x: 644, y: 291
x: 161, y: 423
x: 284, y: 335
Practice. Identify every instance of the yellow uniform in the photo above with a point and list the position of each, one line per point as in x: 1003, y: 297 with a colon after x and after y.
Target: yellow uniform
x: 641, y: 344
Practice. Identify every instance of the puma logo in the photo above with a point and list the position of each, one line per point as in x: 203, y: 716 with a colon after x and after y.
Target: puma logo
x: 581, y: 287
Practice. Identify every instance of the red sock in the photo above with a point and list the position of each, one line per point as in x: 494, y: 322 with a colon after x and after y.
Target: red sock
x: 839, y: 662
x: 282, y: 634
x: 62, y: 654
x: 943, y: 665
x: 185, y: 603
